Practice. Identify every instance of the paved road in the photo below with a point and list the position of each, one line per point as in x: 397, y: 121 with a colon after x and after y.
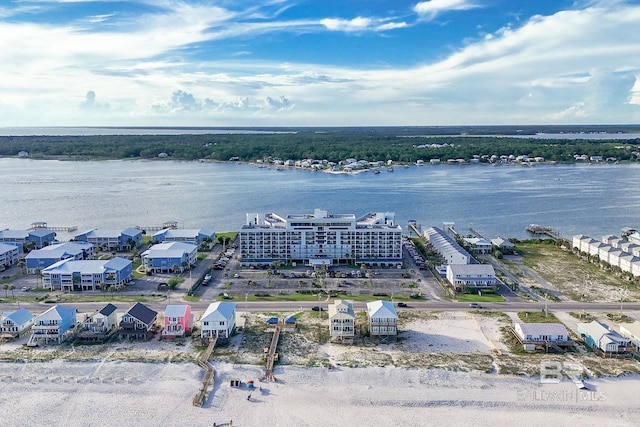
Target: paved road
x: 291, y: 306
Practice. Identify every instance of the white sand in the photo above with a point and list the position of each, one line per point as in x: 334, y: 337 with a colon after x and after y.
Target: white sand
x: 152, y: 394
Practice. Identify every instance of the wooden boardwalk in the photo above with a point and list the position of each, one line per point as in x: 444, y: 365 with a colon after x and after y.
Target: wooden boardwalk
x: 209, y: 373
x: 272, y: 356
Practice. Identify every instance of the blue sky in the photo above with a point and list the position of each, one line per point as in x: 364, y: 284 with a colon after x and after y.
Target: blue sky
x: 318, y: 63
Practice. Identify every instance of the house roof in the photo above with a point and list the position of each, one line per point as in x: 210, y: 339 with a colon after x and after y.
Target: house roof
x: 381, y: 309
x: 499, y: 241
x: 58, y: 312
x: 107, y: 309
x: 173, y: 233
x: 18, y: 317
x: 444, y: 243
x: 341, y: 307
x: 117, y: 263
x: 220, y: 308
x: 472, y: 269
x: 92, y: 266
x: 600, y: 332
x: 41, y: 232
x: 142, y: 313
x: 176, y: 310
x: 14, y: 234
x: 6, y: 247
x: 60, y: 250
x: 477, y: 241
x: 170, y: 250
x: 543, y: 329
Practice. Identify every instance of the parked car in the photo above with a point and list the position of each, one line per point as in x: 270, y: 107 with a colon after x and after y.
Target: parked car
x: 402, y: 304
x: 24, y: 289
x: 475, y: 305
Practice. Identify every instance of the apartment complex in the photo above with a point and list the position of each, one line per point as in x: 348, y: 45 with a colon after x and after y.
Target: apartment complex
x: 321, y: 238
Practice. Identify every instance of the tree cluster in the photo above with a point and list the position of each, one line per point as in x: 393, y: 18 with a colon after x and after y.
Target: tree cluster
x: 398, y: 144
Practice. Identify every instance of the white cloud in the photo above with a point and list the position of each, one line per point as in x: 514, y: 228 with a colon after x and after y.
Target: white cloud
x: 361, y: 24
x: 355, y: 24
x: 550, y: 69
x: 430, y: 9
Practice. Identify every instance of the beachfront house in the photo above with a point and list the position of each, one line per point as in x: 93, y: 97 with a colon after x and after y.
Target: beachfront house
x: 476, y: 277
x: 53, y: 325
x: 383, y: 318
x: 16, y: 323
x: 101, y: 323
x: 218, y: 320
x: 532, y: 335
x: 632, y: 331
x: 87, y: 275
x: 178, y: 320
x: 195, y: 236
x: 555, y: 332
x: 112, y: 240
x: 342, y: 321
x: 9, y: 255
x: 138, y: 323
x: 40, y: 259
x: 170, y: 257
x: 598, y: 336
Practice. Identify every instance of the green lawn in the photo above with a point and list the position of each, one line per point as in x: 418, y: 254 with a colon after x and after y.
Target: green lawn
x: 537, y: 317
x: 68, y: 298
x: 314, y: 298
x: 479, y: 298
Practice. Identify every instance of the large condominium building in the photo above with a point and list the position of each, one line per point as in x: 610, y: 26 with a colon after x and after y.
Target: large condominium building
x: 321, y: 238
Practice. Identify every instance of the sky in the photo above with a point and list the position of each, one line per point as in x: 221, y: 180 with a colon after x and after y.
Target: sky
x: 253, y: 63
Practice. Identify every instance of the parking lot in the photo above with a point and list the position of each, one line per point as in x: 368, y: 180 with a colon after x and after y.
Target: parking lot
x: 233, y: 279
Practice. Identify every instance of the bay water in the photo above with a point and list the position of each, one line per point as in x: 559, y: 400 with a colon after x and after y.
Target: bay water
x: 497, y: 201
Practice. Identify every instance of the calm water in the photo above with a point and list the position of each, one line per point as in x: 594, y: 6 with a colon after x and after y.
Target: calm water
x: 594, y: 200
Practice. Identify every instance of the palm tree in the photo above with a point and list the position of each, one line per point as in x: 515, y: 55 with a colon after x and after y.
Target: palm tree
x: 6, y: 289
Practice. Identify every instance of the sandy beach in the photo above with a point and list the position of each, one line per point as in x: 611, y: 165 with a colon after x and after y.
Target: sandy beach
x: 149, y: 394
x: 445, y: 369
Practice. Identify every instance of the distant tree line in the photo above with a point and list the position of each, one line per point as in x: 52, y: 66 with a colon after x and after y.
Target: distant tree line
x: 334, y: 144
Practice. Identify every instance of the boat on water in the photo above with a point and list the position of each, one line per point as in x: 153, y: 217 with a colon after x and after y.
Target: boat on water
x: 389, y: 169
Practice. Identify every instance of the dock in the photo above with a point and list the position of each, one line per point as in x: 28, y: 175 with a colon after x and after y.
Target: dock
x: 209, y: 373
x: 43, y: 225
x: 543, y: 229
x: 164, y: 226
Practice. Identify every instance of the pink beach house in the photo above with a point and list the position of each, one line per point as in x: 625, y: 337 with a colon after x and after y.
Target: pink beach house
x: 178, y: 320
